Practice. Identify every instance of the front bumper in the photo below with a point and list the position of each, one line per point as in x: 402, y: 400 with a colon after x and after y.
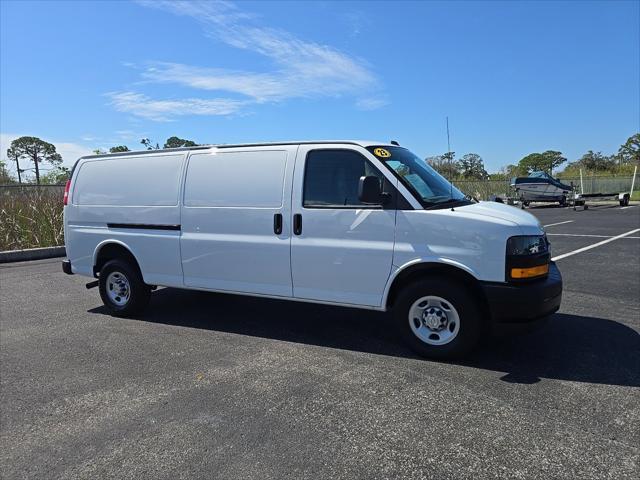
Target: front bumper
x: 526, y: 302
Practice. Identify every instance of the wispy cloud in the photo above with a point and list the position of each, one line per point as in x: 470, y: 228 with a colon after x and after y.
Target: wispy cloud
x: 128, y: 135
x: 118, y: 137
x: 372, y: 103
x: 260, y: 87
x: 300, y: 69
x: 163, y: 110
x: 356, y: 21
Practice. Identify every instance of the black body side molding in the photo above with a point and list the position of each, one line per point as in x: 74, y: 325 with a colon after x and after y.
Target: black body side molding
x: 143, y: 226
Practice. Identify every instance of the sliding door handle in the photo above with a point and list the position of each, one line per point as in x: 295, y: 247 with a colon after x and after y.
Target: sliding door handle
x: 277, y: 223
x: 297, y: 224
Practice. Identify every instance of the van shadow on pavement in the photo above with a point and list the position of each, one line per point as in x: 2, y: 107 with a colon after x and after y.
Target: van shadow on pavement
x: 568, y: 347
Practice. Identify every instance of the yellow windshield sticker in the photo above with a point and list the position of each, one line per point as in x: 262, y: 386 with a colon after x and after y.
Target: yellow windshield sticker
x: 382, y: 153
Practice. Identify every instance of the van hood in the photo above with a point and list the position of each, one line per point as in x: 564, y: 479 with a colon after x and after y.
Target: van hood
x: 529, y: 224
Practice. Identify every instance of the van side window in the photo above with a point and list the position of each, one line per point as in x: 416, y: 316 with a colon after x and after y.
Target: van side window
x: 331, y: 178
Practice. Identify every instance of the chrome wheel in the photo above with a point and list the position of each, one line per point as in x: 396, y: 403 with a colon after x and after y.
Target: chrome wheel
x: 434, y: 320
x: 118, y: 288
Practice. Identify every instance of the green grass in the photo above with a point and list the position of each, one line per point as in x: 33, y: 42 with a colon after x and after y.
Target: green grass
x: 30, y: 217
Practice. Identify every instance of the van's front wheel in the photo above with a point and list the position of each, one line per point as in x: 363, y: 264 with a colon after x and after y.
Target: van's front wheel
x: 438, y: 318
x: 121, y: 288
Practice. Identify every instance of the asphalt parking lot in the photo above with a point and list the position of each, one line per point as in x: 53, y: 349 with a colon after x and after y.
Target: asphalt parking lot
x: 213, y: 386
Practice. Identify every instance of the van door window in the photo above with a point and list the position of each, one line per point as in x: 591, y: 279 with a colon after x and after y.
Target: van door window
x: 331, y: 179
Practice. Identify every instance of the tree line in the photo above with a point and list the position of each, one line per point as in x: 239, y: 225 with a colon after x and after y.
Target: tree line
x: 172, y: 142
x: 621, y: 162
x: 34, y: 155
x: 471, y: 165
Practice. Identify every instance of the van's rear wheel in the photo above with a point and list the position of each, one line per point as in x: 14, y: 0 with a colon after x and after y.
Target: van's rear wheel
x: 438, y: 318
x: 122, y: 290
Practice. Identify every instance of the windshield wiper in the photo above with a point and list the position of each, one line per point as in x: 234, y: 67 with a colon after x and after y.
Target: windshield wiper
x: 450, y: 202
x: 466, y: 197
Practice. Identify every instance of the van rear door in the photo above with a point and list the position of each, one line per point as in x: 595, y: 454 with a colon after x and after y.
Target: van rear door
x: 132, y: 200
x: 236, y: 220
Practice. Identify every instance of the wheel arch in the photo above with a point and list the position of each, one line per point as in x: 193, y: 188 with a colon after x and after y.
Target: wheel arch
x: 415, y: 271
x: 109, y: 250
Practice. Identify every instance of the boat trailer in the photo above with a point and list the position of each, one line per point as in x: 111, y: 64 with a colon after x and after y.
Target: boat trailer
x: 574, y: 199
x: 580, y: 199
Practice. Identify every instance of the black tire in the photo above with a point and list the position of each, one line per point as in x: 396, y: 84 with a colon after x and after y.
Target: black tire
x: 139, y: 292
x: 563, y: 201
x: 463, y: 301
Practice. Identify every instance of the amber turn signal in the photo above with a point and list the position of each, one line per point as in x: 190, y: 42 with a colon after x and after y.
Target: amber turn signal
x: 530, y: 272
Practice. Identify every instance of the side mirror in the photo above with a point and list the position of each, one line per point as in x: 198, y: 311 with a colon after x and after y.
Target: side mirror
x: 370, y: 191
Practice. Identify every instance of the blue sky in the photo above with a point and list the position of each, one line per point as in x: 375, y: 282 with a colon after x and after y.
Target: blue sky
x: 513, y: 77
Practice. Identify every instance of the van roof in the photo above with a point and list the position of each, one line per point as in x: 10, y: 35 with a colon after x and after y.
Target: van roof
x: 361, y: 143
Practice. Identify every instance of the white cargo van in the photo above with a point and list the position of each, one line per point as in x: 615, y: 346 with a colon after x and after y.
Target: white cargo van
x: 355, y: 224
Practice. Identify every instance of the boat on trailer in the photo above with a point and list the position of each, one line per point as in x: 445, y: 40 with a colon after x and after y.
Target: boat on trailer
x: 540, y: 187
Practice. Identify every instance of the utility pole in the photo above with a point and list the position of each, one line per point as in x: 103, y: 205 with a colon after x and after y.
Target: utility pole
x: 450, y: 161
x: 448, y: 141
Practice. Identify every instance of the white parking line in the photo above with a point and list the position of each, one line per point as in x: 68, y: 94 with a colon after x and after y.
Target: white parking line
x: 630, y: 206
x: 581, y: 235
x: 584, y: 249
x: 559, y: 223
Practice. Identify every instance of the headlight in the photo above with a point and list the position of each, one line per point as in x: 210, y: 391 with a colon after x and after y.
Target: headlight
x: 527, y: 245
x: 527, y: 257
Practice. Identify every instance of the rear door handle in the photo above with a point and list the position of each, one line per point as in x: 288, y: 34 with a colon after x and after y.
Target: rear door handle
x: 277, y: 223
x: 297, y: 223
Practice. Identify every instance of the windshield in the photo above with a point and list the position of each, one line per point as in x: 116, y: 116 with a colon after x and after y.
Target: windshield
x: 418, y: 176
